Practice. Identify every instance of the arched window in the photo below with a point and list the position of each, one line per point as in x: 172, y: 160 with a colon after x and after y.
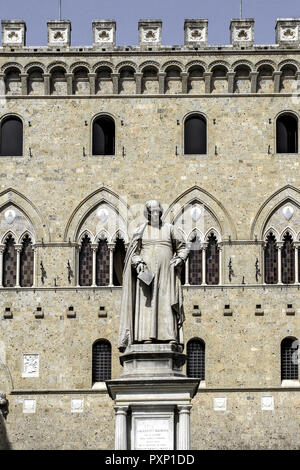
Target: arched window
x: 287, y: 134
x: 196, y: 359
x: 81, y: 83
x: 101, y: 367
x: 289, y: 359
x: 26, y: 263
x: 11, y: 140
x: 102, y: 264
x: 288, y: 260
x: 9, y: 263
x: 195, y: 134
x: 104, y: 136
x: 119, y: 258
x: 271, y: 260
x: 85, y: 262
x: 58, y: 81
x: 195, y: 262
x: 212, y: 261
x: 35, y: 81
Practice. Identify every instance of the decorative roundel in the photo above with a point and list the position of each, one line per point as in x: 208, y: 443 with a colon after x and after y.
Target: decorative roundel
x: 288, y: 212
x: 196, y: 213
x: 10, y: 216
x: 102, y: 215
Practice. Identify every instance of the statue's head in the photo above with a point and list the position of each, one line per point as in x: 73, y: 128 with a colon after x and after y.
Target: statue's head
x: 153, y: 211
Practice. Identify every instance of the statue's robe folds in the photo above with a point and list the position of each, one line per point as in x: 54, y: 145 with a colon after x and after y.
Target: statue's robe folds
x: 153, y: 312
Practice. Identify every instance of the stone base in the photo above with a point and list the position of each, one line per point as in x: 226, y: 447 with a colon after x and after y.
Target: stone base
x: 153, y: 360
x: 152, y: 399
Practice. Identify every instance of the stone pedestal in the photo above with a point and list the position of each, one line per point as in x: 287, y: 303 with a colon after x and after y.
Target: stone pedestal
x: 152, y: 399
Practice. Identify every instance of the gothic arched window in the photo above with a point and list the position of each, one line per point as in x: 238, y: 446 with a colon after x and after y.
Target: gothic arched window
x: 9, y: 263
x: 26, y: 263
x: 101, y: 367
x: 289, y: 359
x: 288, y: 260
x: 195, y: 262
x: 102, y: 264
x: 271, y: 260
x: 212, y: 261
x: 195, y: 134
x: 11, y: 138
x: 287, y: 133
x: 196, y: 359
x: 119, y: 258
x: 104, y: 136
x: 85, y: 262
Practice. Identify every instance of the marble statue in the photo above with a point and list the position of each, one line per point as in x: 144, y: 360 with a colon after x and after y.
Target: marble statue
x: 152, y: 302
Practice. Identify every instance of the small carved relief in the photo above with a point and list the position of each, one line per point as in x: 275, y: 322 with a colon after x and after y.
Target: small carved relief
x: 267, y: 403
x: 10, y: 216
x: 77, y: 405
x: 289, y: 34
x: 103, y: 35
x: 29, y: 406
x: 150, y: 35
x: 220, y: 404
x: 58, y: 35
x: 196, y: 34
x: 288, y: 212
x: 13, y: 35
x: 242, y: 34
x: 30, y: 365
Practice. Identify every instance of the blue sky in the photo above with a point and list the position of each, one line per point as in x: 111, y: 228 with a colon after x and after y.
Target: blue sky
x: 128, y: 12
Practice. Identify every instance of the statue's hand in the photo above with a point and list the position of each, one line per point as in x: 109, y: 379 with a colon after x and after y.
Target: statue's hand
x: 140, y: 267
x: 176, y: 262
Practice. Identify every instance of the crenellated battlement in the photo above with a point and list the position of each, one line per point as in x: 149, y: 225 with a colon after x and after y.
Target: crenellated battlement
x: 287, y: 36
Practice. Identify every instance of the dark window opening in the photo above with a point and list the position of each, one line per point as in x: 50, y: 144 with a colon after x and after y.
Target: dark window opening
x: 119, y: 258
x: 26, y: 263
x: 9, y: 263
x: 11, y: 141
x: 85, y: 262
x: 287, y: 134
x: 212, y: 261
x: 271, y: 260
x: 289, y: 359
x: 102, y: 264
x: 104, y: 136
x: 101, y: 368
x: 288, y: 260
x: 196, y: 359
x: 195, y: 135
x: 195, y: 262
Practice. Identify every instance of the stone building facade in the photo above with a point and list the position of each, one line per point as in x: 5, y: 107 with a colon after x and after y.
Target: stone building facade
x: 238, y: 197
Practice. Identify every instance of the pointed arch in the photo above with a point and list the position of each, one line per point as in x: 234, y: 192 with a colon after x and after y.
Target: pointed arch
x: 24, y: 234
x: 102, y: 235
x: 9, y: 233
x: 273, y: 231
x: 212, y: 231
x: 84, y: 233
x: 87, y: 205
x: 195, y: 232
x: 282, y: 196
x: 120, y: 234
x: 212, y: 205
x: 290, y: 231
x: 12, y: 197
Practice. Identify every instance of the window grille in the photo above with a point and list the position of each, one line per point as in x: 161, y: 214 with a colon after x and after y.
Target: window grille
x: 9, y: 263
x: 196, y: 359
x: 195, y: 263
x: 271, y: 260
x: 101, y: 361
x: 85, y: 263
x: 212, y: 261
x: 11, y: 139
x: 288, y: 260
x: 102, y: 264
x: 289, y: 359
x: 195, y: 135
x: 26, y: 263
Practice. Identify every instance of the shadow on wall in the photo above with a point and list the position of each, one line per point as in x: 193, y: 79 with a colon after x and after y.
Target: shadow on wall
x: 4, y: 442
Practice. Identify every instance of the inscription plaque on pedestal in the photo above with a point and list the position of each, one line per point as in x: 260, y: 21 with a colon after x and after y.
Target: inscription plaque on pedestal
x: 152, y: 432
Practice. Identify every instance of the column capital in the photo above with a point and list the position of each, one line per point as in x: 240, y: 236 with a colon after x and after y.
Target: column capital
x: 279, y: 245
x: 94, y: 246
x: 69, y: 74
x: 161, y: 74
x: 18, y: 246
x: 111, y: 246
x: 204, y: 245
x: 184, y: 408
x: 184, y: 74
x: 254, y: 74
x: 121, y: 410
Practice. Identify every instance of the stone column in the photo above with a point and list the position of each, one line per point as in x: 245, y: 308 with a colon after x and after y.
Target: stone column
x: 184, y: 79
x: 77, y: 251
x: 254, y: 76
x: 121, y: 427
x: 296, y: 246
x: 220, y: 263
x: 115, y: 79
x: 161, y: 82
x: 230, y: 78
x: 204, y: 246
x: 24, y: 83
x: 47, y: 86
x: 184, y: 427
x: 94, y: 247
x: 111, y: 247
x: 34, y: 266
x: 277, y: 78
x: 2, y: 84
x: 92, y: 79
x: 18, y: 249
x: 279, y: 246
x: 207, y: 81
x: 138, y: 83
x: 187, y: 280
x: 2, y: 248
x: 69, y: 77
